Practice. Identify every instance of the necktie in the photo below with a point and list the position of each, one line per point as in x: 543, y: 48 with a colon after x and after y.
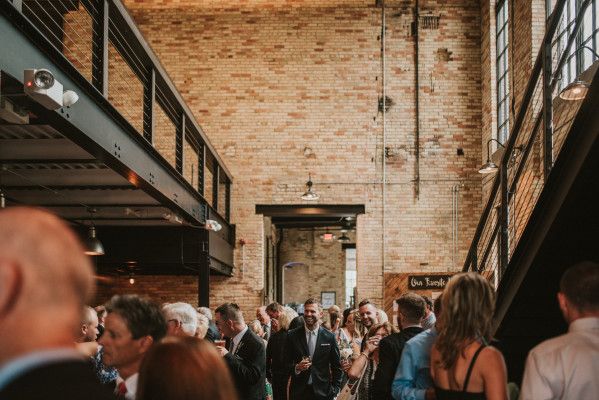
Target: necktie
x: 311, y: 343
x: 121, y: 390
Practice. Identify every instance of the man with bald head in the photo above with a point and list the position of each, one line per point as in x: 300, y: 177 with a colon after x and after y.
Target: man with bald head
x: 45, y: 280
x: 89, y: 326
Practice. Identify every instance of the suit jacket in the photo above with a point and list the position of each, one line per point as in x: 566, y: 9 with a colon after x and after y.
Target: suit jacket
x: 212, y: 333
x: 325, y: 371
x: 64, y: 380
x: 390, y: 349
x: 248, y: 367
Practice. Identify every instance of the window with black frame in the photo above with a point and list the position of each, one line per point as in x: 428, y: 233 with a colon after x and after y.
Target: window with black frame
x: 583, y: 51
x: 503, y: 93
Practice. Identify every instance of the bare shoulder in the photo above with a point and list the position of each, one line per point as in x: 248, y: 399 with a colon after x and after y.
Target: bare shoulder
x: 491, y: 356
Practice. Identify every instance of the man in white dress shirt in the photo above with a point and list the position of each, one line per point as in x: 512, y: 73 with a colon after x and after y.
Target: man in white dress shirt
x: 567, y: 366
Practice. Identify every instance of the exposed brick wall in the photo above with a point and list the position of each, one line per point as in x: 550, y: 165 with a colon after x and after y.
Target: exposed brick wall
x: 158, y: 287
x: 324, y: 268
x: 266, y: 79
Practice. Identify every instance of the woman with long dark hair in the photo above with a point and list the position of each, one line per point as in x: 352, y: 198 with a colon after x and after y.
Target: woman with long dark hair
x: 463, y: 365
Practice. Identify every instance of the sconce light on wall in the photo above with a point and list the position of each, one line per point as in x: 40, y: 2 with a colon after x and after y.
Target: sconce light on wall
x: 578, y: 89
x: 490, y: 167
x: 309, y: 194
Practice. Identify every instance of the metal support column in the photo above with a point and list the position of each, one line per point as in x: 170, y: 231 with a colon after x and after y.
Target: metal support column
x: 204, y: 283
x: 179, y: 140
x: 148, y: 105
x: 547, y: 110
x: 100, y: 46
x: 215, y: 183
x: 503, y: 219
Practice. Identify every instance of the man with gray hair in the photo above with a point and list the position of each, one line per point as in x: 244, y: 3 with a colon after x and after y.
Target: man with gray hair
x: 245, y: 356
x: 45, y: 280
x: 181, y: 319
x: 212, y: 334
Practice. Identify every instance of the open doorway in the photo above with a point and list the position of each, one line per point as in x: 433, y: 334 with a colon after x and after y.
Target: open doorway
x: 310, y: 251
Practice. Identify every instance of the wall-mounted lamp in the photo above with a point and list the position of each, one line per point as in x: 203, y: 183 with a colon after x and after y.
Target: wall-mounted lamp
x: 490, y: 167
x: 309, y: 194
x: 578, y: 89
x: 131, y: 279
x: 93, y: 246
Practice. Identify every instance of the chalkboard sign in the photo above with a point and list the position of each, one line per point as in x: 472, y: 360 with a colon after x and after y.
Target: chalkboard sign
x: 427, y: 282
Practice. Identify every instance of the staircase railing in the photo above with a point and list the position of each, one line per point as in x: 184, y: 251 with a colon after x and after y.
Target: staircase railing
x: 541, y: 124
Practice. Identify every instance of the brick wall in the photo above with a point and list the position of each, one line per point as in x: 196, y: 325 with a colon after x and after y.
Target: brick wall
x: 324, y: 268
x: 268, y: 79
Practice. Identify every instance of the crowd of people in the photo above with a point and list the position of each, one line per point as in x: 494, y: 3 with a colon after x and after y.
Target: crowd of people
x: 54, y: 346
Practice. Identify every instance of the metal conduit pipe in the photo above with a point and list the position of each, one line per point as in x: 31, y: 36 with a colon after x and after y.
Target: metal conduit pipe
x: 384, y: 159
x: 417, y: 101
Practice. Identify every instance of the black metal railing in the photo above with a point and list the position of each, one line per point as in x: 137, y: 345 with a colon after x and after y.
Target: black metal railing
x: 101, y: 42
x: 539, y: 128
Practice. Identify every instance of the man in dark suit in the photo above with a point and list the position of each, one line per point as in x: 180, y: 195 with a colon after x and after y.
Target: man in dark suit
x: 245, y: 356
x: 313, y: 358
x: 45, y: 280
x: 411, y: 310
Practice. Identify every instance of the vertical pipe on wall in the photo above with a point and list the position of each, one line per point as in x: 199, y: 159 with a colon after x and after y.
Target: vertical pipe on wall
x: 384, y: 154
x: 417, y: 102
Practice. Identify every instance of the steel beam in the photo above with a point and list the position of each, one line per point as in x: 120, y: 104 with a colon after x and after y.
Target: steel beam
x: 92, y: 122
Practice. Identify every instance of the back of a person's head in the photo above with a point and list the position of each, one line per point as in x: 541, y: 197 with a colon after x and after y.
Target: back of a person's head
x: 412, y: 306
x: 203, y: 324
x: 438, y: 305
x: 256, y: 327
x: 55, y: 269
x: 44, y: 262
x: 183, y: 312
x: 468, y: 305
x: 580, y: 285
x: 429, y: 303
x: 205, y: 311
x: 183, y: 368
x: 142, y: 316
x: 230, y: 312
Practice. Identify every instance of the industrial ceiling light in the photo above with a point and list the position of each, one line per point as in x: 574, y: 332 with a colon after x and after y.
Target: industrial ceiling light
x: 576, y: 90
x: 309, y: 194
x: 490, y: 167
x: 213, y: 225
x: 93, y: 246
x: 343, y: 238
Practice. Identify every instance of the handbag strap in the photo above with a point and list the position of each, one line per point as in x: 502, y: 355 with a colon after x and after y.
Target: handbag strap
x: 359, y: 381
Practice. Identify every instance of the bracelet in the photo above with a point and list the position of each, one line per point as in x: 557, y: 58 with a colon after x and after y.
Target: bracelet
x: 364, y: 354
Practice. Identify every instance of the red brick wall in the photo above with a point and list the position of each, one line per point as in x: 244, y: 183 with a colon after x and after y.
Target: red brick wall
x: 266, y: 79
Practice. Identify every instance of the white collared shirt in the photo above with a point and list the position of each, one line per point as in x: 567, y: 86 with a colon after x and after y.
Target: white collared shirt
x: 237, y: 339
x: 21, y: 365
x: 308, y: 332
x: 130, y: 384
x: 565, y: 367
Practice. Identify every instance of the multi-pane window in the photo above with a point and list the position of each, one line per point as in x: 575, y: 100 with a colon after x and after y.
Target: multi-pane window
x: 503, y: 115
x: 581, y: 53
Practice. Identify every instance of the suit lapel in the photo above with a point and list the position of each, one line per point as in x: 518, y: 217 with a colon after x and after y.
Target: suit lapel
x: 302, y: 339
x: 319, y: 339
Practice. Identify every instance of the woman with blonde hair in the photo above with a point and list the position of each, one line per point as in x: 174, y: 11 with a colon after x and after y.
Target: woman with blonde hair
x: 276, y: 362
x: 463, y: 365
x: 184, y: 367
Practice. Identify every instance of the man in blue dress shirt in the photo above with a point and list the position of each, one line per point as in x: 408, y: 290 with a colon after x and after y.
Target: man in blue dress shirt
x: 413, y: 376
